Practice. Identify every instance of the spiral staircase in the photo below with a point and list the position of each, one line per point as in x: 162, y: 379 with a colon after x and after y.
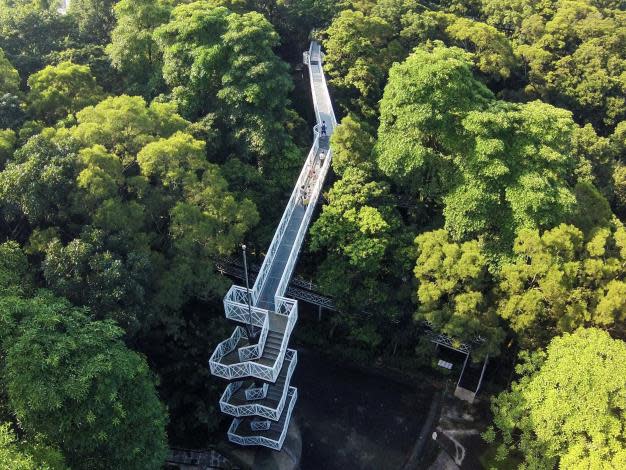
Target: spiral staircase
x: 256, y: 358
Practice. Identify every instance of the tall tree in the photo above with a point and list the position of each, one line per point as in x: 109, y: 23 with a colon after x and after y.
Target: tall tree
x: 444, y: 138
x: 11, y: 112
x: 558, y: 282
x: 16, y: 455
x: 29, y: 32
x: 491, y: 51
x: 36, y: 182
x: 7, y: 145
x: 73, y: 381
x: 221, y: 62
x: 352, y: 143
x: 57, y: 91
x: 567, y: 408
x: 419, y: 122
x: 15, y: 276
x: 358, y: 57
x: 121, y: 208
x: 9, y: 77
x: 517, y: 164
x: 95, y: 19
x: 360, y: 234
x: 574, y: 52
x: 455, y: 292
x: 133, y: 50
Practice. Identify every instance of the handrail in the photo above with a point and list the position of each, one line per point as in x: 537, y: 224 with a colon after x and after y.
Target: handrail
x: 258, y: 408
x: 259, y: 283
x: 315, y: 104
x: 237, y: 309
x: 295, y: 249
x: 254, y: 351
x: 239, y: 306
x: 261, y: 440
x: 284, y: 221
x: 238, y: 369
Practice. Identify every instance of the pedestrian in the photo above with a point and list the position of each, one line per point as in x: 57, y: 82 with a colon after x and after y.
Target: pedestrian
x: 322, y: 159
x: 302, y: 195
x: 324, y: 128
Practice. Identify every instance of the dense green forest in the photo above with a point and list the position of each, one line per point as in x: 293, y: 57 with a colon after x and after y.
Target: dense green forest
x: 479, y: 187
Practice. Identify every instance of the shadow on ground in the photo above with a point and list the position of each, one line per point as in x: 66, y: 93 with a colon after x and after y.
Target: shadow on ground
x: 351, y: 419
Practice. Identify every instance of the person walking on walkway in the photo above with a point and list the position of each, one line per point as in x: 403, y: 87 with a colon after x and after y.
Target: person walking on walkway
x: 323, y: 128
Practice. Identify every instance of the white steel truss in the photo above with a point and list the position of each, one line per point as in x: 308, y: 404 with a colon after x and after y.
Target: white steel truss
x: 259, y: 351
x: 297, y: 288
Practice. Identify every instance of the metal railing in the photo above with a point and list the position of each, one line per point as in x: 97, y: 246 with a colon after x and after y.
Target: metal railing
x: 252, y: 352
x: 304, y: 225
x: 320, y: 176
x: 316, y: 53
x: 259, y: 409
x: 238, y: 310
x: 259, y: 283
x: 260, y: 440
x: 239, y: 369
x: 247, y: 365
x: 242, y: 308
x: 256, y: 393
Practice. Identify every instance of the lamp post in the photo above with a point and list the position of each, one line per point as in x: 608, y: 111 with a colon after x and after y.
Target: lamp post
x: 245, y: 268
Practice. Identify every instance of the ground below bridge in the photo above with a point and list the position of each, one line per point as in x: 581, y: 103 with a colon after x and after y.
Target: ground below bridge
x: 350, y: 418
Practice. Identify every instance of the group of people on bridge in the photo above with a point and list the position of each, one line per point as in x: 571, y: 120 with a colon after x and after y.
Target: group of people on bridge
x: 305, y: 189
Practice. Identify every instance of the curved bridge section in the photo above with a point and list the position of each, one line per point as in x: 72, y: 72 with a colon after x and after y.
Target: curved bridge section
x: 256, y: 357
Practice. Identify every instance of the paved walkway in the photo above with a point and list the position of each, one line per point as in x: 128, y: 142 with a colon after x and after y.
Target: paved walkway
x: 325, y: 114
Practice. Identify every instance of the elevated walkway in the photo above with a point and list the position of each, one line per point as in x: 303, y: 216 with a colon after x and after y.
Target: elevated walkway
x: 256, y: 357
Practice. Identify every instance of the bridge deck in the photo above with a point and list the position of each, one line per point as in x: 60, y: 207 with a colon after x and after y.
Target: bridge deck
x: 266, y: 298
x: 325, y: 113
x: 270, y: 360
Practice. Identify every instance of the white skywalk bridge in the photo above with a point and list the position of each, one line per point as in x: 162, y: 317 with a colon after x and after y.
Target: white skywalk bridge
x: 260, y: 396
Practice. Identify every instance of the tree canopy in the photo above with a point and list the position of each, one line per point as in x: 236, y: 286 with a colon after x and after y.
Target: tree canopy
x: 574, y: 51
x: 29, y: 31
x: 560, y: 282
x: 567, y: 407
x: 141, y: 203
x: 16, y: 455
x: 443, y: 110
x: 57, y: 91
x: 233, y: 73
x: 454, y: 292
x: 444, y: 138
x: 133, y: 50
x: 73, y: 380
x: 9, y: 77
